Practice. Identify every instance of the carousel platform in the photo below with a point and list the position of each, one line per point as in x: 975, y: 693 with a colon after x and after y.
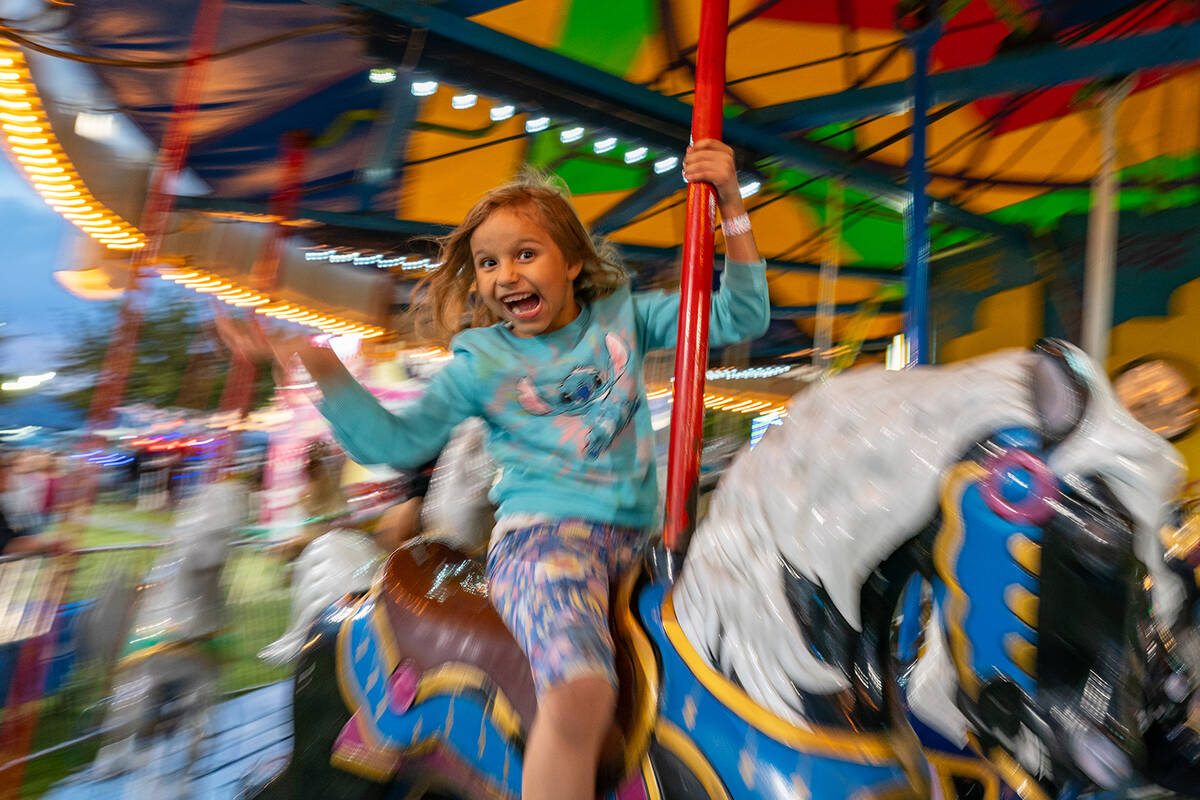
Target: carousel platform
x: 246, y: 733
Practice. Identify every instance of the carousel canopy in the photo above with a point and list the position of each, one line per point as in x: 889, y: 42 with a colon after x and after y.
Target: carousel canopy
x: 408, y: 112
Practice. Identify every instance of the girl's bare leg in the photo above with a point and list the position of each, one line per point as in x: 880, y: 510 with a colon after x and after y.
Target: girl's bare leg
x: 572, y: 722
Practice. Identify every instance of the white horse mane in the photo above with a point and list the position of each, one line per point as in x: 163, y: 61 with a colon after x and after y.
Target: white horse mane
x: 852, y: 473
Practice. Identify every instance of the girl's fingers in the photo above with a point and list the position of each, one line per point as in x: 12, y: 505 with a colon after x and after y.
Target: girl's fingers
x: 711, y: 161
x: 701, y: 170
x: 722, y: 160
x: 710, y: 144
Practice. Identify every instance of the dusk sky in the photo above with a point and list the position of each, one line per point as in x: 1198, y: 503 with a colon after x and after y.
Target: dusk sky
x: 39, y: 314
x: 37, y: 311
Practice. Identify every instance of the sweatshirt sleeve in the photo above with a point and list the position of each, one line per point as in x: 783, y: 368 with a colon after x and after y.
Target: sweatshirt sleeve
x: 741, y: 309
x: 412, y: 435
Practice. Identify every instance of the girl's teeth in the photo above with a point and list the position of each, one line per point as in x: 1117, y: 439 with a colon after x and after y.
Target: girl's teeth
x: 523, y: 304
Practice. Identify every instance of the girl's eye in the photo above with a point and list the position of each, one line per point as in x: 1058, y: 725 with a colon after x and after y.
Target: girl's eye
x: 487, y: 263
x: 526, y: 254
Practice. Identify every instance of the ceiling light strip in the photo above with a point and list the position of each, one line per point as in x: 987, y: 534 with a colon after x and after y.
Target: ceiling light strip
x: 27, y: 133
x: 29, y: 136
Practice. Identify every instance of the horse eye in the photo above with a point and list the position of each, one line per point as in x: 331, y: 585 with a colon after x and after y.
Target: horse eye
x: 598, y: 380
x: 566, y: 397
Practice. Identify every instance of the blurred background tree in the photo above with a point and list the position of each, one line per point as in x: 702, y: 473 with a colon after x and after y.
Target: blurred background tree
x: 180, y: 362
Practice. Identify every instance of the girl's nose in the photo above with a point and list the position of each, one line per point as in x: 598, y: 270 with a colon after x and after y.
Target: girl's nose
x: 506, y: 272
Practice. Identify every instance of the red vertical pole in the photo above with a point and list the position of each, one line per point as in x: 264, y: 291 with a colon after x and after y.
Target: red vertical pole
x: 239, y: 385
x: 293, y: 152
x: 160, y: 199
x: 691, y: 357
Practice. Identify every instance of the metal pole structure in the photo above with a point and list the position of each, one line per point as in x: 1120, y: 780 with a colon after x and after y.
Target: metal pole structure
x: 916, y: 260
x: 916, y: 281
x: 827, y: 283
x: 691, y: 356
x: 1100, y: 272
x: 239, y: 384
x: 172, y: 154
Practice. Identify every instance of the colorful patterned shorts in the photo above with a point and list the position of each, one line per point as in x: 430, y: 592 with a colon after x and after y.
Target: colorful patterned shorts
x: 550, y: 584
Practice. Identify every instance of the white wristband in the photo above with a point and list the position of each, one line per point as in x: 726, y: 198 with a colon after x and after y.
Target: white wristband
x: 736, y: 226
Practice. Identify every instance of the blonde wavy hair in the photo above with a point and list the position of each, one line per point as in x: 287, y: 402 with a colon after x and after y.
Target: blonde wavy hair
x: 444, y: 302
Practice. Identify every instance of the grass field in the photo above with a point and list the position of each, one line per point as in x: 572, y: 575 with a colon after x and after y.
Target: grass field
x: 257, y: 608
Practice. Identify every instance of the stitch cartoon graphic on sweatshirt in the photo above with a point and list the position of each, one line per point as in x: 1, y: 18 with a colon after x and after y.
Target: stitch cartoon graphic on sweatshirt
x: 603, y: 397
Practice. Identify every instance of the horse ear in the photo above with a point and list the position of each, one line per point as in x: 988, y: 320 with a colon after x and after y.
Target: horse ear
x: 1060, y: 390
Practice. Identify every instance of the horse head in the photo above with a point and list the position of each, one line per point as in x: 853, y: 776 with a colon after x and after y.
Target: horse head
x: 1021, y: 488
x: 1039, y: 564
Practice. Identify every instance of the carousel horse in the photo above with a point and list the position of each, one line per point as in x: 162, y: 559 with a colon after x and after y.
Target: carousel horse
x: 339, y: 562
x: 165, y: 680
x: 344, y: 561
x: 765, y: 666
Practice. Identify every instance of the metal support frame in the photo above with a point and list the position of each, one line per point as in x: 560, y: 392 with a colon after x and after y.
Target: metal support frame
x: 492, y: 61
x: 1101, y: 256
x: 656, y: 189
x: 239, y: 385
x: 916, y: 215
x: 808, y: 312
x: 695, y: 291
x: 415, y: 228
x: 388, y: 138
x: 172, y: 155
x: 827, y: 283
x: 1048, y: 66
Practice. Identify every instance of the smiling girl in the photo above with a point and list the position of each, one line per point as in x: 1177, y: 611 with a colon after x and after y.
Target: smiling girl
x: 552, y: 362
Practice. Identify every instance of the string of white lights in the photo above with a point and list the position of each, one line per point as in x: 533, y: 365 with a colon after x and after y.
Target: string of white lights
x: 364, y: 258
x: 602, y: 142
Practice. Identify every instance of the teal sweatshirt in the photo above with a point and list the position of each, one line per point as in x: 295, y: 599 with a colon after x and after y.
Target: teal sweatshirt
x: 566, y: 412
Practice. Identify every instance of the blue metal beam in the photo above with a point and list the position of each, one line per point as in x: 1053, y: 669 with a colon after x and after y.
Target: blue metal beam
x: 916, y: 216
x: 388, y: 140
x: 807, y: 312
x: 765, y: 348
x: 380, y: 223
x: 487, y: 58
x: 656, y: 189
x: 1049, y: 66
x: 880, y: 274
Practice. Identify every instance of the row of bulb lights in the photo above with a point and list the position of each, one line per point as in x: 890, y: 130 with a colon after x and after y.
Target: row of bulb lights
x: 536, y: 124
x: 33, y: 144
x: 747, y: 373
x: 715, y: 401
x: 233, y: 294
x: 336, y: 255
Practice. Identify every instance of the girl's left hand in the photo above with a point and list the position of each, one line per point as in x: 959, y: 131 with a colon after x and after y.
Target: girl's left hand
x: 711, y: 161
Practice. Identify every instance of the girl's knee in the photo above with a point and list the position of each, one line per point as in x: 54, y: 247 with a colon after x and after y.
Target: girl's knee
x: 579, y: 709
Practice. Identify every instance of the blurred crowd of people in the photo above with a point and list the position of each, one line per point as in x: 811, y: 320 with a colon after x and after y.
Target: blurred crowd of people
x: 39, y: 490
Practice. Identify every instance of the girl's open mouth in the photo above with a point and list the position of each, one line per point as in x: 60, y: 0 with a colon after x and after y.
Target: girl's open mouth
x: 523, y: 306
